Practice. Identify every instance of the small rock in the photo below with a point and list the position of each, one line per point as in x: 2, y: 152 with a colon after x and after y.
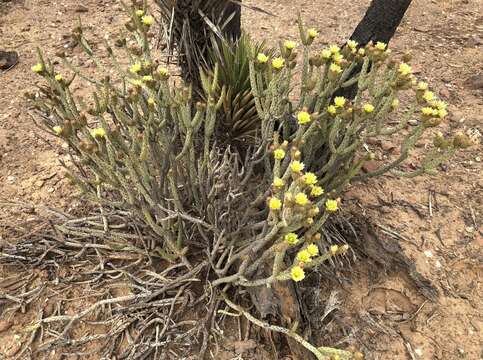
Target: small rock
x: 475, y: 82
x: 372, y: 141
x: 39, y: 183
x: 444, y: 93
x: 14, y: 349
x: 81, y: 9
x: 428, y: 253
x: 370, y: 166
x: 469, y: 229
x: 243, y: 346
x: 11, y: 179
x: 50, y: 190
x: 387, y: 145
x: 413, y: 122
x: 418, y: 352
x: 5, y: 325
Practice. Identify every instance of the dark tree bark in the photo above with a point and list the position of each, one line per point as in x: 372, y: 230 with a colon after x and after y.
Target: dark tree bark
x: 381, y: 21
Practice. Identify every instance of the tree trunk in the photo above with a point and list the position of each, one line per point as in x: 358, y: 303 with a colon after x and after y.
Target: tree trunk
x: 381, y: 21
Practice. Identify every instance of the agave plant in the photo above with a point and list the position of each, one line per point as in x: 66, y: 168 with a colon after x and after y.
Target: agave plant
x: 190, y: 25
x: 239, y: 121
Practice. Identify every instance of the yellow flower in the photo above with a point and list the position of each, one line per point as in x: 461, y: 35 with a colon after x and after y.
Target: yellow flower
x: 334, y: 49
x: 395, y: 103
x: 441, y: 105
x: 98, y: 133
x: 147, y: 20
x: 136, y: 82
x: 58, y: 130
x: 361, y: 52
x: 326, y: 54
x: 428, y: 111
x: 331, y: 205
x: 297, y: 166
x: 303, y: 117
x: 428, y: 96
x: 278, y: 183
x: 301, y: 199
x: 289, y: 44
x: 314, y: 211
x: 310, y: 178
x: 313, y: 249
x: 291, y: 238
x: 58, y: 77
x: 297, y: 273
x: 37, y: 68
x: 135, y: 68
x: 339, y: 101
x: 262, y: 58
x: 279, y: 154
x: 381, y: 46
x: 352, y: 44
x: 335, y: 68
x: 334, y: 249
x: 312, y: 33
x: 139, y: 13
x: 278, y: 63
x: 331, y: 109
x: 151, y: 101
x: 162, y: 71
x: 316, y: 191
x: 442, y: 113
x: 422, y: 86
x: 405, y: 69
x: 304, y: 256
x: 368, y: 108
x: 147, y: 78
x: 337, y: 58
x: 275, y: 203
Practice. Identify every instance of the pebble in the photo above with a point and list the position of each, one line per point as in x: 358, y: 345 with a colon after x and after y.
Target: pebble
x: 413, y: 122
x: 428, y: 253
x: 11, y: 179
x: 5, y: 325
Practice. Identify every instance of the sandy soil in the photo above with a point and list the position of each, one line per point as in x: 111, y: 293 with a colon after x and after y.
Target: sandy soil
x: 437, y: 220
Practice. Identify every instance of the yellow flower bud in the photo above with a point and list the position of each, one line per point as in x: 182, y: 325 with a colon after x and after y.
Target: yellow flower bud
x: 303, y: 117
x: 368, y: 108
x: 331, y: 109
x: 316, y: 191
x: 289, y: 45
x: 135, y: 68
x: 279, y: 154
x: 339, y: 101
x: 304, y: 256
x: 98, y: 133
x: 336, y: 69
x: 58, y: 130
x: 274, y: 203
x: 291, y: 238
x: 37, y: 68
x: 301, y: 199
x: 352, y: 44
x: 313, y: 249
x: 296, y: 166
x: 139, y: 13
x: 334, y: 249
x: 331, y: 205
x: 405, y: 69
x: 297, y: 273
x: 334, y: 49
x: 278, y: 183
x: 147, y: 20
x: 310, y: 178
x: 278, y: 63
x: 326, y: 54
x: 312, y: 33
x: 428, y: 96
x: 262, y: 58
x: 58, y: 77
x: 380, y: 46
x: 422, y: 86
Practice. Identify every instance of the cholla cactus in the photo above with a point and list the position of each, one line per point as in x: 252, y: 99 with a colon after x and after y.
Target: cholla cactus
x: 145, y: 145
